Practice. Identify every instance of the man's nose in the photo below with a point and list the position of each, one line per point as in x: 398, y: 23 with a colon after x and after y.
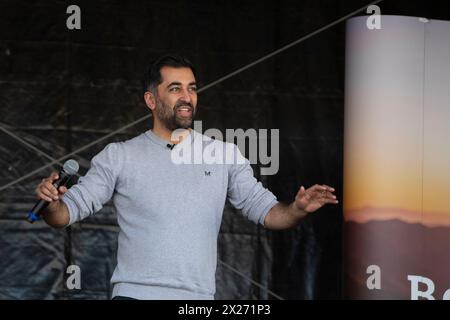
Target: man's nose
x: 186, y: 97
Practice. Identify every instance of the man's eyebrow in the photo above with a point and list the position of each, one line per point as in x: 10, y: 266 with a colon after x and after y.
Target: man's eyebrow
x: 176, y: 83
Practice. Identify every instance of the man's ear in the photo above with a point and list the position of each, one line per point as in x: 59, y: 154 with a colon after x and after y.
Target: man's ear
x: 149, y: 99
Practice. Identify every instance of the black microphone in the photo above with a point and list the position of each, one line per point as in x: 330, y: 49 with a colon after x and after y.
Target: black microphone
x: 170, y: 146
x: 69, y: 169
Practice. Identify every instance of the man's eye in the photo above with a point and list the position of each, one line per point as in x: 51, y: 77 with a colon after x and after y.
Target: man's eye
x: 174, y: 89
x: 193, y: 89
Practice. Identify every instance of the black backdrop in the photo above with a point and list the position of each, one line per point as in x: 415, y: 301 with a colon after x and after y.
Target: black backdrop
x: 61, y: 89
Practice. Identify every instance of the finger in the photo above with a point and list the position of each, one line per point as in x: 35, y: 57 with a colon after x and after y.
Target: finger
x: 48, y: 193
x: 62, y: 189
x: 319, y: 188
x: 329, y: 196
x: 319, y: 191
x: 44, y: 196
x: 302, y: 191
x: 49, y: 186
x: 330, y: 189
x: 39, y: 187
x: 302, y: 194
x: 53, y: 176
x: 332, y: 201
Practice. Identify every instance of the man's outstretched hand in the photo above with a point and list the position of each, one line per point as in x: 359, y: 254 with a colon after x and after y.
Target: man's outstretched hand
x: 315, y: 197
x: 285, y: 216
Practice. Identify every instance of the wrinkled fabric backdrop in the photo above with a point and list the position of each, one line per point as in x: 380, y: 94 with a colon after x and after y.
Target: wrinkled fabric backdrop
x: 61, y: 89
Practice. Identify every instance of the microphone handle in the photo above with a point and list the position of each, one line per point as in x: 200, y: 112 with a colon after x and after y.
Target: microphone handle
x: 35, y: 213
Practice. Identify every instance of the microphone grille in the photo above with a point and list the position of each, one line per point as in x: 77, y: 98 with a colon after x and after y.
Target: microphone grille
x: 71, y: 167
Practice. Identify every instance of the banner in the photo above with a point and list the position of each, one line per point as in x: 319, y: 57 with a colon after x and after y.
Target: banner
x: 397, y: 159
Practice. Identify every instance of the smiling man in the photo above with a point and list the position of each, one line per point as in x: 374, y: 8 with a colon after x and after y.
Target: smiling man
x: 171, y: 94
x: 169, y: 214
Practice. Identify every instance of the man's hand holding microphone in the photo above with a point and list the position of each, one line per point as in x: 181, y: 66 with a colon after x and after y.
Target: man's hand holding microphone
x: 49, y: 192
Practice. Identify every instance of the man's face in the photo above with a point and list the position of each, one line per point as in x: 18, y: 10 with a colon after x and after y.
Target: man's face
x: 176, y: 99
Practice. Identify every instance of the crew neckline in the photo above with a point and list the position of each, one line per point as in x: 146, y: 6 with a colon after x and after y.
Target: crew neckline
x: 163, y: 143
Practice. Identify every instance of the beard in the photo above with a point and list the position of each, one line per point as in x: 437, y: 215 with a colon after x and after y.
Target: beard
x: 169, y: 116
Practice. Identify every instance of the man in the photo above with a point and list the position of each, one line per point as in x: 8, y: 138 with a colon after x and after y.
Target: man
x: 169, y: 214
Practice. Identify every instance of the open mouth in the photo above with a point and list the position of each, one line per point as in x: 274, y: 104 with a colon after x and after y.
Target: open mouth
x: 184, y: 111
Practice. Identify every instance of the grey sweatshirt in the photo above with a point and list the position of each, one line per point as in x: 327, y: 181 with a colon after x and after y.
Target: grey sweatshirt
x: 169, y: 214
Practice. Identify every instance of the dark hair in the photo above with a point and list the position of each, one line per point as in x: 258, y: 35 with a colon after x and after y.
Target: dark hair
x: 152, y: 76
